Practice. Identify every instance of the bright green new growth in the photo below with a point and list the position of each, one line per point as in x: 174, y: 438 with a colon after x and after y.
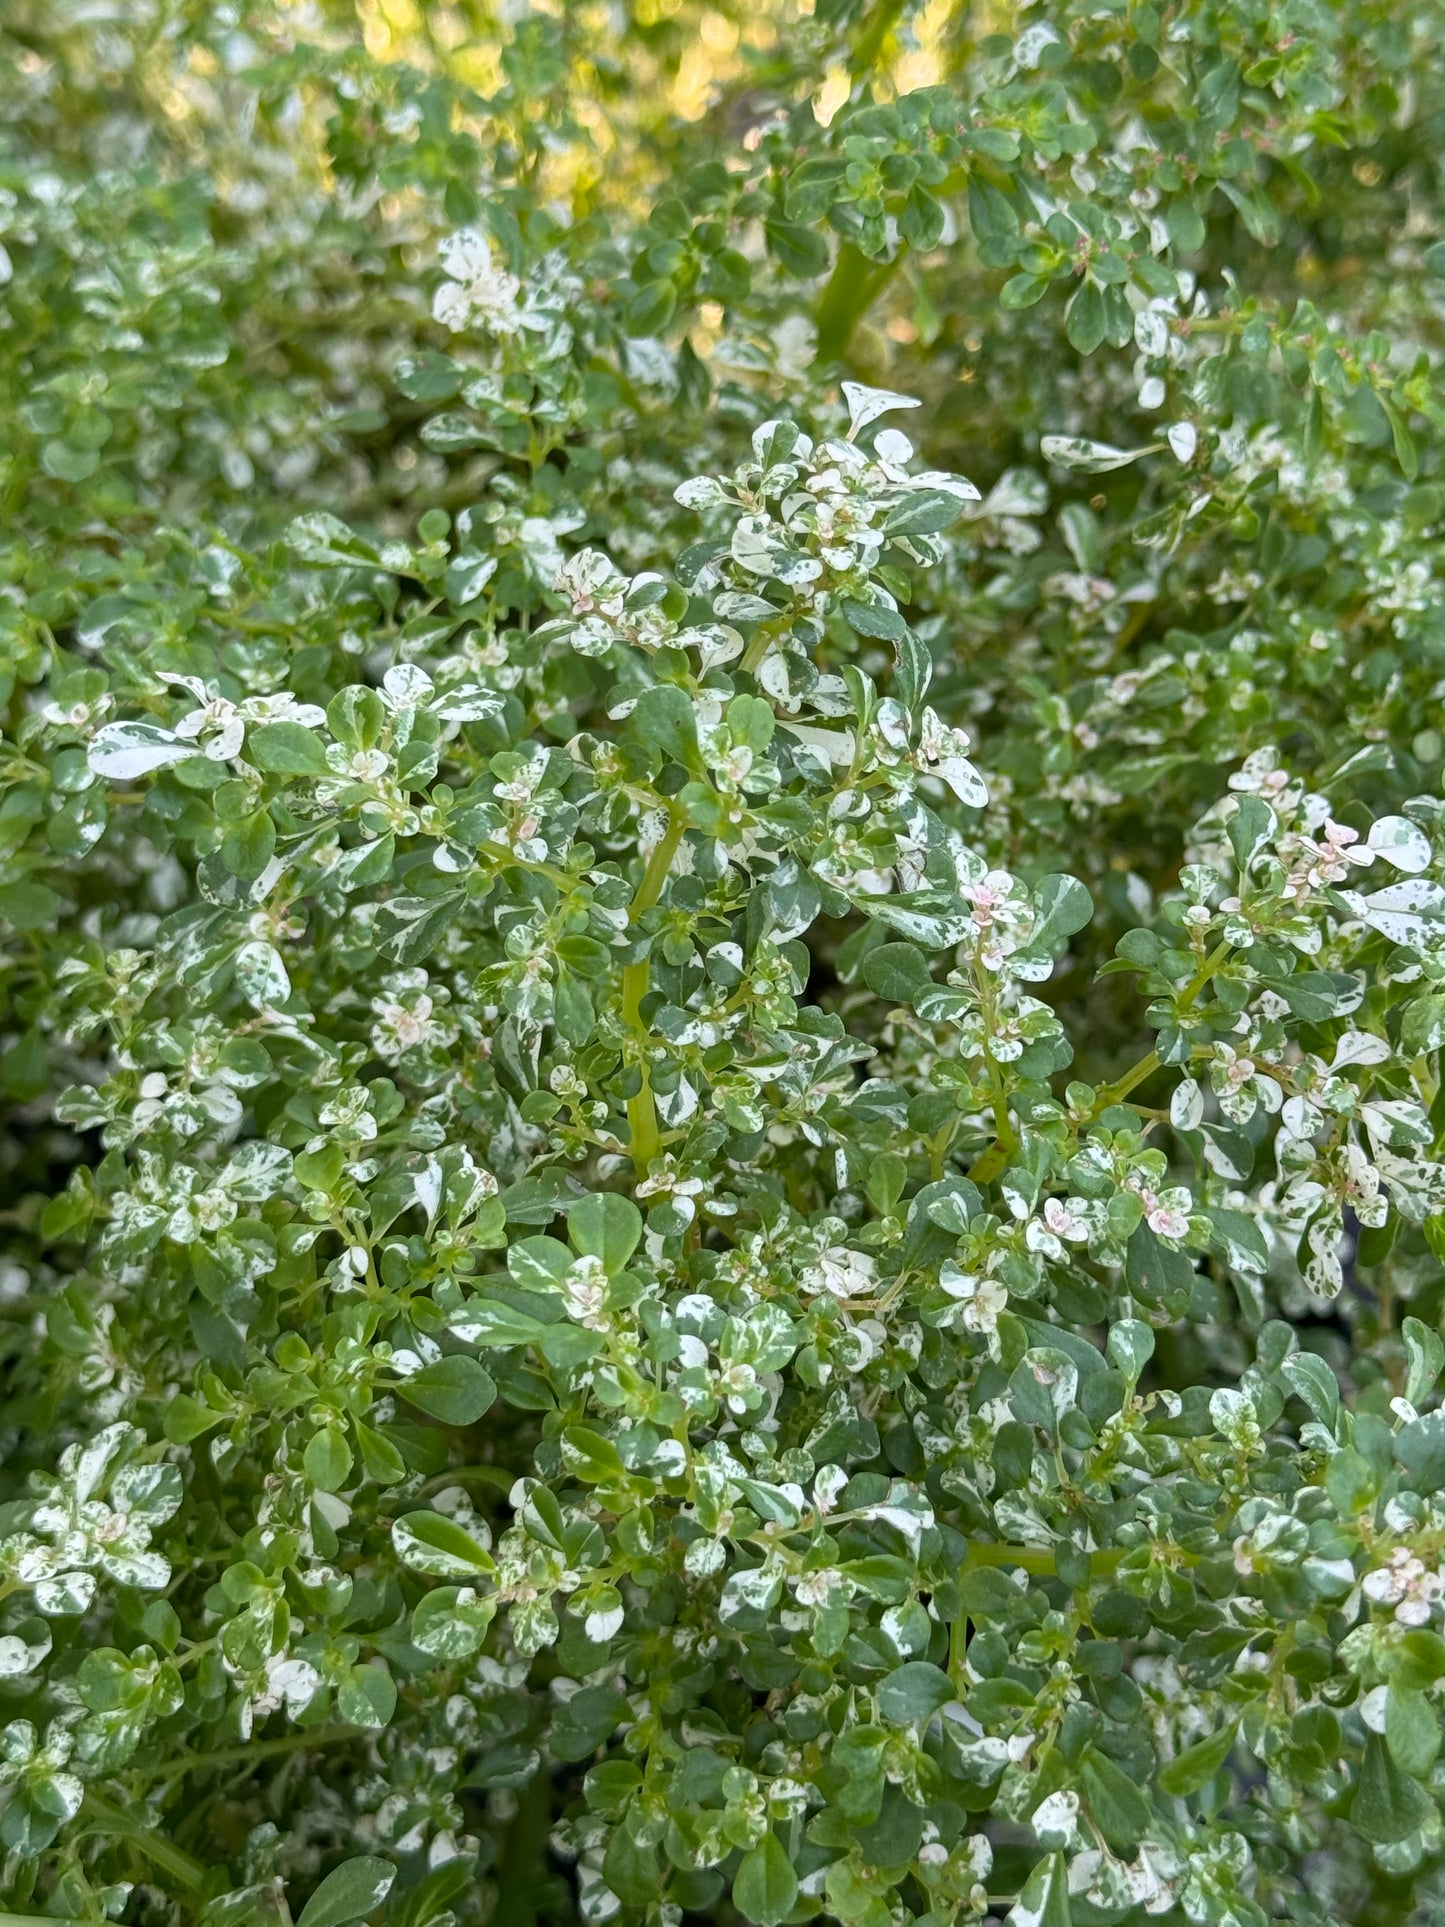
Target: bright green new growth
x: 724, y: 964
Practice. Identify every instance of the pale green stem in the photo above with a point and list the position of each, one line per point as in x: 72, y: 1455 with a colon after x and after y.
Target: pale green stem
x: 636, y: 979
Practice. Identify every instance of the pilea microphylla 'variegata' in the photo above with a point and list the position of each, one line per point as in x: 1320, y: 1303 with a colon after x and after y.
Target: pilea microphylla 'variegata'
x: 722, y: 866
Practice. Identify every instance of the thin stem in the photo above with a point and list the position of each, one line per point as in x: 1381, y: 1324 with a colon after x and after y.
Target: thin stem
x: 938, y: 1148
x: 52, y: 1920
x: 491, y: 1475
x: 1136, y: 1074
x: 562, y: 878
x: 993, y: 1160
x: 1034, y: 1559
x: 762, y: 638
x: 636, y: 979
x: 1122, y: 1086
x: 305, y: 1738
x: 110, y: 1819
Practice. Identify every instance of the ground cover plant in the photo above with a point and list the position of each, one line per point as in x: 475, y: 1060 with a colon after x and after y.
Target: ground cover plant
x: 722, y: 876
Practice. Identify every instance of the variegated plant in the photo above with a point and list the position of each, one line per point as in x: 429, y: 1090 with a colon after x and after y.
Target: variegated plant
x: 726, y: 1155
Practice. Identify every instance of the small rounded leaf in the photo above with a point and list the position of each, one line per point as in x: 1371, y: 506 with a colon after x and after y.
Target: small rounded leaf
x: 766, y: 1885
x: 349, y: 1892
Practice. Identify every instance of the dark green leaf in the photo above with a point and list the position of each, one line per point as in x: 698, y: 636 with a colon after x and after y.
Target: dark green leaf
x: 349, y: 1892
x: 455, y: 1389
x: 765, y: 1886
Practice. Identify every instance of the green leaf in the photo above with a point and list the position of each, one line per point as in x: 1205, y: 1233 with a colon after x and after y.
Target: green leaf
x: 68, y: 464
x: 1238, y: 1240
x: 429, y: 1542
x: 586, y: 1721
x: 1185, y: 225
x: 874, y: 619
x: 410, y: 928
x: 1313, y: 1381
x: 320, y: 1170
x: 380, y: 1459
x: 186, y: 1418
x: 1044, y: 1899
x: 1064, y: 907
x: 427, y: 376
x: 1130, y: 1347
x: 1158, y: 1273
x: 922, y: 220
x: 1085, y: 318
x: 751, y: 722
x: 923, y: 512
x: 286, y: 749
x: 1115, y: 1802
x: 896, y: 971
x: 1422, y: 1028
x: 326, y: 540
x: 327, y: 1458
x: 1425, y: 1350
x: 665, y: 720
x: 606, y: 1226
x: 247, y: 846
x: 765, y: 1887
x: 30, y: 906
x: 1350, y: 1481
x: 887, y: 1177
x: 1317, y: 995
x: 349, y: 1892
x: 1197, y: 1765
x: 913, y: 1692
x: 1420, y: 1449
x: 1412, y: 1729
x: 1022, y: 291
x: 800, y: 250
x: 367, y: 1697
x: 1406, y: 453
x: 631, y: 1868
x: 1388, y: 1804
x: 456, y: 1389
x: 650, y: 309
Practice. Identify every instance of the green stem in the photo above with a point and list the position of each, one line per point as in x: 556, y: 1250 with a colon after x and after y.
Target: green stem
x: 654, y: 877
x: 166, y: 1855
x: 1122, y: 1086
x: 563, y: 880
x: 987, y: 1165
x: 853, y: 286
x: 1146, y: 1067
x: 762, y: 637
x: 938, y: 1148
x: 51, y: 1920
x: 307, y: 1738
x: 636, y: 978
x: 993, y: 1160
x: 1035, y: 1559
x: 876, y: 29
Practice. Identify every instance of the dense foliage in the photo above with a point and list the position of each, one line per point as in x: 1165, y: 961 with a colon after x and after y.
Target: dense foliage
x: 723, y: 983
